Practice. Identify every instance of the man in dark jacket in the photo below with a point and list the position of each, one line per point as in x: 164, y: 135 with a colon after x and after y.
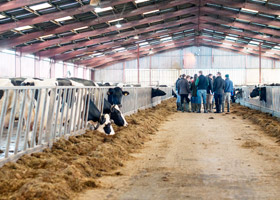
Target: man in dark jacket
x: 209, y: 97
x: 178, y: 102
x: 228, y: 91
x: 184, y: 91
x: 202, y: 85
x: 219, y: 87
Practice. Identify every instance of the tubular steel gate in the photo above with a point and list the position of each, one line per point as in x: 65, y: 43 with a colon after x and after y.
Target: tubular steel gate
x: 33, y: 118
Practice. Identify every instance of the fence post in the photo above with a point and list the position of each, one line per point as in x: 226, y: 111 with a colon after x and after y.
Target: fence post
x: 50, y: 117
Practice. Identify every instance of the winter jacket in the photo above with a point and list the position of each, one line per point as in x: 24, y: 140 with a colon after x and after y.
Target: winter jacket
x: 210, y: 85
x: 201, y: 83
x: 219, y: 85
x: 228, y: 85
x: 183, y: 87
x: 176, y: 84
x: 194, y: 89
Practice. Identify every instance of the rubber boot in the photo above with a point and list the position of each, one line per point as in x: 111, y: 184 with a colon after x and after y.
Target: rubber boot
x: 205, y: 108
x: 188, y: 107
x: 193, y: 108
x: 223, y: 107
x: 210, y: 108
x: 183, y: 107
x: 228, y: 107
x: 178, y: 106
x: 198, y: 108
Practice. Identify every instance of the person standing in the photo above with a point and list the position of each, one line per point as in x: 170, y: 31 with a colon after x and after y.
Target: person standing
x: 178, y: 101
x: 228, y: 91
x: 202, y: 85
x: 219, y: 87
x: 209, y: 97
x: 184, y: 91
x: 194, y: 101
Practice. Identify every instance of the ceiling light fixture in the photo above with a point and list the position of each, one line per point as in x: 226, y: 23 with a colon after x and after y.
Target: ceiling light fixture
x: 118, y: 25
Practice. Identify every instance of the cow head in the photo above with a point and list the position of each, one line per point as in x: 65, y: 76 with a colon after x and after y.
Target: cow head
x: 117, y: 116
x: 115, y: 95
x: 255, y: 92
x: 103, y: 125
x: 1, y: 93
x: 115, y: 113
x: 259, y: 91
x: 157, y: 93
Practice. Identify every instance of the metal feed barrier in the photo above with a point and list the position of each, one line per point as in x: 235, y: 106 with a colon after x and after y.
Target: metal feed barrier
x: 272, y: 104
x: 33, y: 118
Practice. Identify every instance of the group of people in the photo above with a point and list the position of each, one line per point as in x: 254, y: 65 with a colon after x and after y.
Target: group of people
x: 207, y: 89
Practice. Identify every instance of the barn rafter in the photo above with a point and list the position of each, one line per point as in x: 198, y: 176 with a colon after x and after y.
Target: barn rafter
x: 75, y: 31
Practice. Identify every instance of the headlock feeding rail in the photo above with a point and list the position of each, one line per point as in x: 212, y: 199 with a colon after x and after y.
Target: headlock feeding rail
x: 33, y: 118
x: 266, y: 98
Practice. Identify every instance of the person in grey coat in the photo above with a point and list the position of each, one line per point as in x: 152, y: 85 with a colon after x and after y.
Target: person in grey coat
x: 184, y: 91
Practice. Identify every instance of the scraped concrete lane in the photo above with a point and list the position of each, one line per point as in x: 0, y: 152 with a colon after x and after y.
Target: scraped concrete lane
x: 199, y: 156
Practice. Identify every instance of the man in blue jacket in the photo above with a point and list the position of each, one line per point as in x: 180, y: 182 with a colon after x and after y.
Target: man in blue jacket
x: 178, y: 101
x: 202, y: 85
x: 228, y: 91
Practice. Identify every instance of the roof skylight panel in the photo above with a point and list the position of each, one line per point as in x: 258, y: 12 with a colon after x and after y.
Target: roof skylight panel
x: 63, y: 19
x: 40, y: 6
x: 22, y: 28
x: 140, y: 1
x: 2, y: 16
x: 99, y: 10
x: 251, y: 11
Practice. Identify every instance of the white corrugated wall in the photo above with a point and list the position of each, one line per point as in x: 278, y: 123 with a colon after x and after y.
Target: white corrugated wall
x: 168, y: 65
x: 12, y: 65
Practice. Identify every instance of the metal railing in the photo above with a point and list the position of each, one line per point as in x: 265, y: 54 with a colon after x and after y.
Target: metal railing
x: 33, y: 118
x: 272, y: 104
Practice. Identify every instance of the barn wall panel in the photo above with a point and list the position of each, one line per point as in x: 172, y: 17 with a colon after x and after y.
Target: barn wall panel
x: 27, y: 67
x: 7, y: 65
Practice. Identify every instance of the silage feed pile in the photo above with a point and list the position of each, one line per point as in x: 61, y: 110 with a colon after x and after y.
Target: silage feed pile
x: 270, y: 124
x: 73, y: 165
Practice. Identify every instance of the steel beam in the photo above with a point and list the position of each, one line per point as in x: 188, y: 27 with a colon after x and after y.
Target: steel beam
x: 52, y: 16
x: 82, y: 53
x: 6, y: 44
x: 37, y: 47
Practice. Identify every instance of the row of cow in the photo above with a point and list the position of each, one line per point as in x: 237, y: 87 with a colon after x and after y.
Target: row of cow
x: 39, y: 100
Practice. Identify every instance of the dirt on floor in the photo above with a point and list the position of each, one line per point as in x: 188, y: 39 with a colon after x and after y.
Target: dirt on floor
x: 74, y: 165
x: 270, y: 124
x: 200, y: 156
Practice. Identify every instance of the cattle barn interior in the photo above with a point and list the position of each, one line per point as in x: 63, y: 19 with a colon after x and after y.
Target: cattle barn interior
x: 84, y: 68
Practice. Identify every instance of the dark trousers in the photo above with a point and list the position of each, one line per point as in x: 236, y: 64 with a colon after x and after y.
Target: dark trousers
x: 218, y: 101
x: 183, y: 97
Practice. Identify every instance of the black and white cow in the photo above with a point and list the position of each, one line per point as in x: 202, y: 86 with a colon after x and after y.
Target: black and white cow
x: 9, y: 82
x: 98, y: 121
x: 110, y: 109
x: 157, y: 93
x: 115, y: 96
x: 259, y: 91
